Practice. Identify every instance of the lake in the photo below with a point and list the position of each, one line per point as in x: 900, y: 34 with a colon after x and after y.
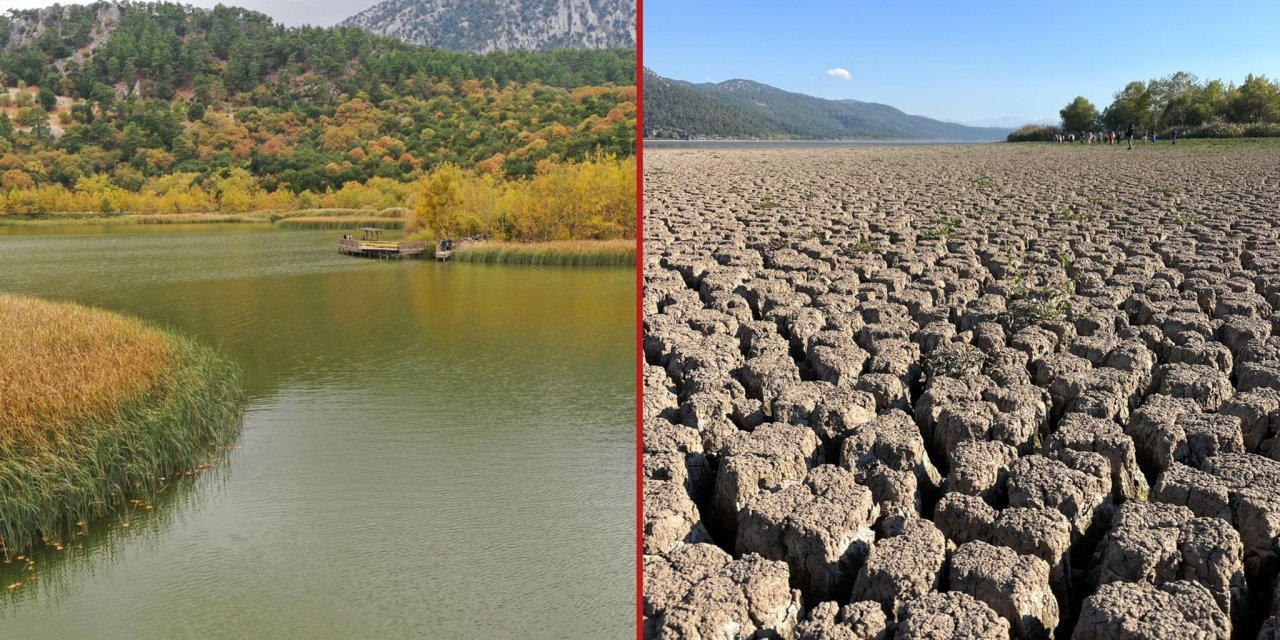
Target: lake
x: 429, y: 449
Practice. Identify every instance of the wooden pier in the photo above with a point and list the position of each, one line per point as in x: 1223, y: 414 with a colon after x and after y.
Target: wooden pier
x: 373, y: 246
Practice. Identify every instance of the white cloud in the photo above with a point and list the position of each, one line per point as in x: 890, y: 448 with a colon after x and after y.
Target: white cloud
x: 837, y: 72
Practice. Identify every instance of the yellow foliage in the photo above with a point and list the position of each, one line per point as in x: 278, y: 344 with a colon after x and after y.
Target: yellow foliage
x: 594, y: 199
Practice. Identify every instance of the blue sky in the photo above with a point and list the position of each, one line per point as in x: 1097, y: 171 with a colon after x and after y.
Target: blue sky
x: 969, y: 62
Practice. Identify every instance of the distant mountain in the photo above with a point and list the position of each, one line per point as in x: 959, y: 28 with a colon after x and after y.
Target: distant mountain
x: 504, y: 25
x: 674, y: 109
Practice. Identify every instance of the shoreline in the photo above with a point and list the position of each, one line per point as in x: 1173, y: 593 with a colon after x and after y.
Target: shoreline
x: 251, y: 217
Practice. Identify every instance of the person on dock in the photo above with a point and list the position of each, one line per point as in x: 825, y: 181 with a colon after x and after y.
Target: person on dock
x: 1129, y: 136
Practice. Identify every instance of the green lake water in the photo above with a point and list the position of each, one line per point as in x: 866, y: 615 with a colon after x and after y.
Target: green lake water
x: 429, y: 450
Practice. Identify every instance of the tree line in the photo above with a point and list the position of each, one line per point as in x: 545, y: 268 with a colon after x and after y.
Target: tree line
x: 593, y: 199
x: 1182, y: 101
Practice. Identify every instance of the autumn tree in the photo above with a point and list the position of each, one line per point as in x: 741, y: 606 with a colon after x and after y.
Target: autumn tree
x: 438, y: 207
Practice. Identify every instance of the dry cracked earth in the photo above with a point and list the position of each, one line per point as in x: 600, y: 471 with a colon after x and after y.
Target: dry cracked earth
x: 997, y: 391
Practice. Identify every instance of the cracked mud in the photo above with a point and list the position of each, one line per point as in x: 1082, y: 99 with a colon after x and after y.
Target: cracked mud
x: 999, y: 391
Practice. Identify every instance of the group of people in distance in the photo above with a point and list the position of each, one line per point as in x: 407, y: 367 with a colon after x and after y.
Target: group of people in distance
x: 1113, y: 137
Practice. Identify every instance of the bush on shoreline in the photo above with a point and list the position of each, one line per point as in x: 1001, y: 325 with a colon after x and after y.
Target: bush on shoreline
x: 1034, y: 133
x: 1231, y: 130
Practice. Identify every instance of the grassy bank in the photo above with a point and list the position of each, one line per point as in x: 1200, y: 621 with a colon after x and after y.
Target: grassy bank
x: 573, y: 253
x: 334, y: 222
x: 99, y: 409
x: 333, y: 216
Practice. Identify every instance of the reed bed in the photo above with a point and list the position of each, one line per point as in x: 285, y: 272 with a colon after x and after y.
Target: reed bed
x: 99, y: 409
x: 570, y: 253
x: 334, y: 222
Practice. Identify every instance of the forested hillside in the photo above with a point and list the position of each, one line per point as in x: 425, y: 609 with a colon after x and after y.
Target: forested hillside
x: 746, y: 109
x: 674, y: 110
x: 170, y: 100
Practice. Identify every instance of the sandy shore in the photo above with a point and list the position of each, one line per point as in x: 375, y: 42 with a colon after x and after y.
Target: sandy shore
x: 1004, y: 390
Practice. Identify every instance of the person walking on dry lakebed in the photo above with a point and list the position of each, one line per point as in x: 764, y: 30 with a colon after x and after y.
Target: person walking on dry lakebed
x: 947, y: 392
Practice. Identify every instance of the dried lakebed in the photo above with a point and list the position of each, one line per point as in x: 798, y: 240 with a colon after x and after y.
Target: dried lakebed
x: 1020, y: 391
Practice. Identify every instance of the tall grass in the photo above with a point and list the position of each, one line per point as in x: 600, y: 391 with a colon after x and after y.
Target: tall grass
x: 334, y: 222
x: 257, y: 217
x: 99, y: 409
x: 570, y: 253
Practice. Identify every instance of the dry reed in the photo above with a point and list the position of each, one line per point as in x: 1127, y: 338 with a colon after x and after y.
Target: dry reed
x: 98, y: 408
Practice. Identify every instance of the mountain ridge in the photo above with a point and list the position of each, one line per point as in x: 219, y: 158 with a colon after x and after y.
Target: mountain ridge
x: 483, y: 26
x: 747, y: 109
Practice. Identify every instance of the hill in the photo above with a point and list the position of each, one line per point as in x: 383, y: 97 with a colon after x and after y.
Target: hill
x: 503, y: 25
x: 130, y: 94
x: 675, y: 109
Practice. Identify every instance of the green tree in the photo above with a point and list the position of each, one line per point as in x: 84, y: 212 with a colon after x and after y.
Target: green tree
x: 1258, y: 100
x: 48, y: 101
x: 1168, y: 91
x: 1079, y: 115
x: 1132, y: 105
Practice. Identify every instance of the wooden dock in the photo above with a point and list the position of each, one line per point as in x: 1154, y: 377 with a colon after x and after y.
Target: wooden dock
x: 371, y: 246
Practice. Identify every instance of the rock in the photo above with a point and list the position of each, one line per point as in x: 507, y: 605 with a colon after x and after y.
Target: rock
x: 675, y: 453
x: 980, y: 469
x: 1204, y: 494
x: 765, y: 377
x: 1139, y: 611
x: 1079, y: 432
x: 1258, y: 375
x: 1259, y: 414
x: 857, y: 621
x: 880, y: 451
x: 1157, y: 438
x: 1207, y: 435
x: 670, y: 518
x: 962, y: 422
x: 770, y: 458
x: 1253, y: 486
x: 839, y: 365
x: 821, y: 528
x: 962, y: 518
x: 888, y: 390
x: 902, y: 567
x: 1201, y: 384
x: 1014, y: 586
x: 1158, y: 543
x: 838, y: 412
x: 1039, y: 482
x: 741, y: 599
x: 950, y: 616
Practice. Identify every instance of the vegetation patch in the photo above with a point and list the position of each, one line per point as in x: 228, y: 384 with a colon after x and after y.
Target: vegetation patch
x: 335, y: 222
x: 1028, y: 305
x: 1187, y: 219
x: 941, y: 228
x: 98, y: 410
x: 958, y: 360
x: 1072, y: 215
x: 863, y: 246
x: 574, y: 253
